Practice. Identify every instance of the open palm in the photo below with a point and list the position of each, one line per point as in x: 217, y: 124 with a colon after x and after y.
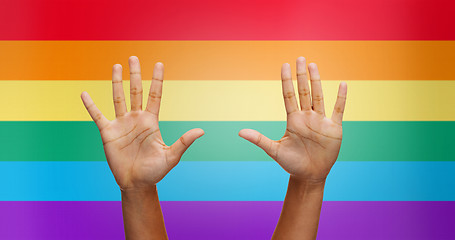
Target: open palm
x: 311, y: 142
x: 133, y: 145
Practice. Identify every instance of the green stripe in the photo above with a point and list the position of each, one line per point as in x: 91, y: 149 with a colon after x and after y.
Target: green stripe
x: 363, y: 141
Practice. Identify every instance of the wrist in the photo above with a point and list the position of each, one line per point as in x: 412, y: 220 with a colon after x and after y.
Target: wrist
x: 142, y: 215
x: 139, y: 191
x: 307, y: 185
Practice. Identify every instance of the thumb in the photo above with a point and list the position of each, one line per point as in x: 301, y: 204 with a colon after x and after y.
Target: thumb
x: 181, y: 145
x: 268, y: 145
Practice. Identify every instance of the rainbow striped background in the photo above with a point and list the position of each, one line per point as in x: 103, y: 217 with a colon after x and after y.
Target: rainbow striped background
x: 394, y: 178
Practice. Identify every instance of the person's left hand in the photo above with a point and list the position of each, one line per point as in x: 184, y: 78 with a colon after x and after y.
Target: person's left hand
x: 312, y: 141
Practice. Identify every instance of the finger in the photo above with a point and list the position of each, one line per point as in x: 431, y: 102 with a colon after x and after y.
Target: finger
x: 99, y: 119
x: 135, y: 83
x: 269, y: 146
x: 290, y: 101
x: 316, y: 89
x: 156, y: 89
x: 183, y: 143
x: 337, y: 115
x: 302, y: 83
x: 117, y: 91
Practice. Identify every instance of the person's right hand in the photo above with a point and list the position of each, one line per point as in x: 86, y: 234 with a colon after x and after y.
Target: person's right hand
x: 133, y: 145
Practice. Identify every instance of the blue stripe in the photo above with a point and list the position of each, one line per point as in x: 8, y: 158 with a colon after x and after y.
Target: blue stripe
x: 230, y: 181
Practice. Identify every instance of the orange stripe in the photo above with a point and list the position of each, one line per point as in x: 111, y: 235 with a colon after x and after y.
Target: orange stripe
x: 228, y: 60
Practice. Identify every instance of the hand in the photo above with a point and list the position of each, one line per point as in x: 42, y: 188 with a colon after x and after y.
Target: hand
x: 311, y: 143
x: 133, y: 145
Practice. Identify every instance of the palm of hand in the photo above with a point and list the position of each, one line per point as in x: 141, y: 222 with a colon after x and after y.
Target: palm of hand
x: 133, y: 145
x: 309, y: 146
x: 135, y: 149
x: 311, y: 142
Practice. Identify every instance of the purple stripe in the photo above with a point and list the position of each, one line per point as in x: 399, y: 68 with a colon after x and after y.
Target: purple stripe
x: 228, y: 220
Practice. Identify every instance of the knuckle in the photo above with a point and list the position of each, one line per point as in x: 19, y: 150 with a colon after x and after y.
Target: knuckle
x: 135, y: 91
x: 339, y: 109
x: 157, y: 79
x: 118, y: 99
x: 183, y: 141
x: 301, y: 74
x: 319, y: 111
x: 154, y: 95
x: 289, y: 94
x: 304, y: 92
x: 341, y: 97
x: 259, y: 139
x: 318, y: 98
x: 291, y: 112
x: 97, y: 117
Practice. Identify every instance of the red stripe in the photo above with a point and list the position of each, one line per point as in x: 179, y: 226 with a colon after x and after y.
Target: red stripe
x: 227, y: 20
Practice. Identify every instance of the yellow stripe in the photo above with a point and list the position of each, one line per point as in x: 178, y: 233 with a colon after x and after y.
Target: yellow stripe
x: 230, y: 100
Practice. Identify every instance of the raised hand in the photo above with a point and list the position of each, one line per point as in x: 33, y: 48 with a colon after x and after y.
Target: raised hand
x: 311, y: 143
x: 133, y: 145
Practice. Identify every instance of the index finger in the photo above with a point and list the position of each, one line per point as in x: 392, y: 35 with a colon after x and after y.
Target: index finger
x: 338, y: 110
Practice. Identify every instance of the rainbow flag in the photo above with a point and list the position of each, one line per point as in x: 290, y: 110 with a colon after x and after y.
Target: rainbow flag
x: 395, y: 175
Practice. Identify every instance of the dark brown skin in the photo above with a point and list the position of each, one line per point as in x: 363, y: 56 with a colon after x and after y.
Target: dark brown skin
x: 135, y: 150
x: 307, y: 151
